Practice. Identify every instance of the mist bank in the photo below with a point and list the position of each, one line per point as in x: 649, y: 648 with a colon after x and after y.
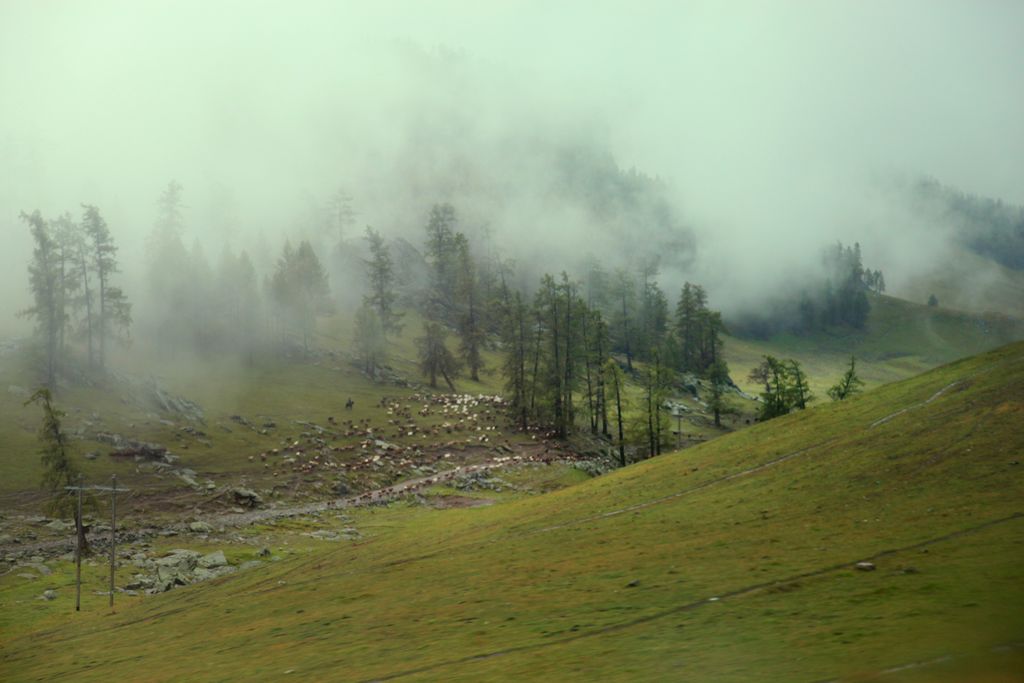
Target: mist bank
x: 730, y: 146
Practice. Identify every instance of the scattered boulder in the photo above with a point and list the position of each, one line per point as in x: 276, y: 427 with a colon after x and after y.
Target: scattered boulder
x: 865, y: 566
x: 214, y: 559
x: 247, y: 497
x: 49, y: 595
x: 200, y: 527
x: 39, y: 567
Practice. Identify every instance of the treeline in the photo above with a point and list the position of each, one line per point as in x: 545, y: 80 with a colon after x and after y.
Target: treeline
x: 989, y: 227
x: 72, y: 280
x: 79, y: 308
x: 228, y: 307
x: 835, y: 296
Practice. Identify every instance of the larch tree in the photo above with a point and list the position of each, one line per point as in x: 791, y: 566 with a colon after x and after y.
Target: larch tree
x: 114, y: 308
x: 800, y: 390
x: 848, y: 385
x: 616, y: 381
x: 170, y: 270
x: 66, y: 236
x: 435, y: 358
x: 59, y: 471
x: 472, y: 333
x: 44, y: 280
x: 718, y: 376
x: 442, y: 259
x: 370, y: 342
x: 380, y: 275
x: 516, y: 342
x: 300, y: 290
x: 623, y: 293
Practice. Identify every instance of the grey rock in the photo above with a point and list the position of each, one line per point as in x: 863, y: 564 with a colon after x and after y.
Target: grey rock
x: 251, y: 564
x: 49, y: 595
x: 214, y: 559
x: 140, y: 582
x: 248, y: 497
x: 865, y: 566
x: 200, y: 527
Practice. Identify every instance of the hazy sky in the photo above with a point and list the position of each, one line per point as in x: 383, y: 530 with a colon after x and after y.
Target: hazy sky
x: 770, y: 121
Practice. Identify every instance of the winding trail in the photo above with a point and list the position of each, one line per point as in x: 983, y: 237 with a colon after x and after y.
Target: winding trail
x: 934, y: 396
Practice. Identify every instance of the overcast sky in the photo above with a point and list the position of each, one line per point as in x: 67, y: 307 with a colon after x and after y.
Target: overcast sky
x: 765, y: 118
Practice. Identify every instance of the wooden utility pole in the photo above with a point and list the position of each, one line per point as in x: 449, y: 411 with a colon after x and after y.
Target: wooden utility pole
x: 113, y: 536
x: 78, y: 549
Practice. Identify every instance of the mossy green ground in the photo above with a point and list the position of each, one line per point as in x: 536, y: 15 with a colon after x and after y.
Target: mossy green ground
x: 613, y: 579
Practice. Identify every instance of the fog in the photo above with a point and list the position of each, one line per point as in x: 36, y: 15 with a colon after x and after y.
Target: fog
x: 772, y: 128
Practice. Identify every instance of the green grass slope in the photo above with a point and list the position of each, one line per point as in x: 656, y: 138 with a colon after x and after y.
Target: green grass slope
x: 901, y: 339
x: 282, y: 389
x: 732, y: 561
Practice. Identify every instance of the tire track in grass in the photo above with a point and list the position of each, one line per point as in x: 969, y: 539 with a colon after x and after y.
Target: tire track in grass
x: 690, y: 606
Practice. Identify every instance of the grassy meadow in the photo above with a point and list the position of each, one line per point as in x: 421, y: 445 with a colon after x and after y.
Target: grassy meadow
x: 730, y: 561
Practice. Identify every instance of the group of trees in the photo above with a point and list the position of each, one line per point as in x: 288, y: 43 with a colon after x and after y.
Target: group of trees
x: 560, y: 363
x: 298, y: 292
x: 989, y: 227
x: 786, y: 388
x: 841, y: 299
x: 71, y: 277
x: 563, y: 341
x: 227, y: 307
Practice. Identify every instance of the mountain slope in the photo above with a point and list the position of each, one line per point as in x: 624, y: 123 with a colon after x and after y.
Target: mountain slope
x: 730, y: 561
x: 900, y: 339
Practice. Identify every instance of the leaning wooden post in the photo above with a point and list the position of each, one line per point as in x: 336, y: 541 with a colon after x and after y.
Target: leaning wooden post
x: 78, y: 550
x: 113, y: 532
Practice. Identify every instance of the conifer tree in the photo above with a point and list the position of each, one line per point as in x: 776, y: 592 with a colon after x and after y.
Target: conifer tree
x: 470, y: 324
x: 58, y: 469
x: 435, y: 358
x: 616, y: 381
x: 848, y: 385
x: 44, y: 280
x: 514, y: 337
x: 381, y: 276
x: 800, y: 390
x: 114, y: 309
x: 370, y: 342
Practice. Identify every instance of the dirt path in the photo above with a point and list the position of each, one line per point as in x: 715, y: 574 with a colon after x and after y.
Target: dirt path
x: 934, y: 396
x: 528, y: 453
x: 375, y: 497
